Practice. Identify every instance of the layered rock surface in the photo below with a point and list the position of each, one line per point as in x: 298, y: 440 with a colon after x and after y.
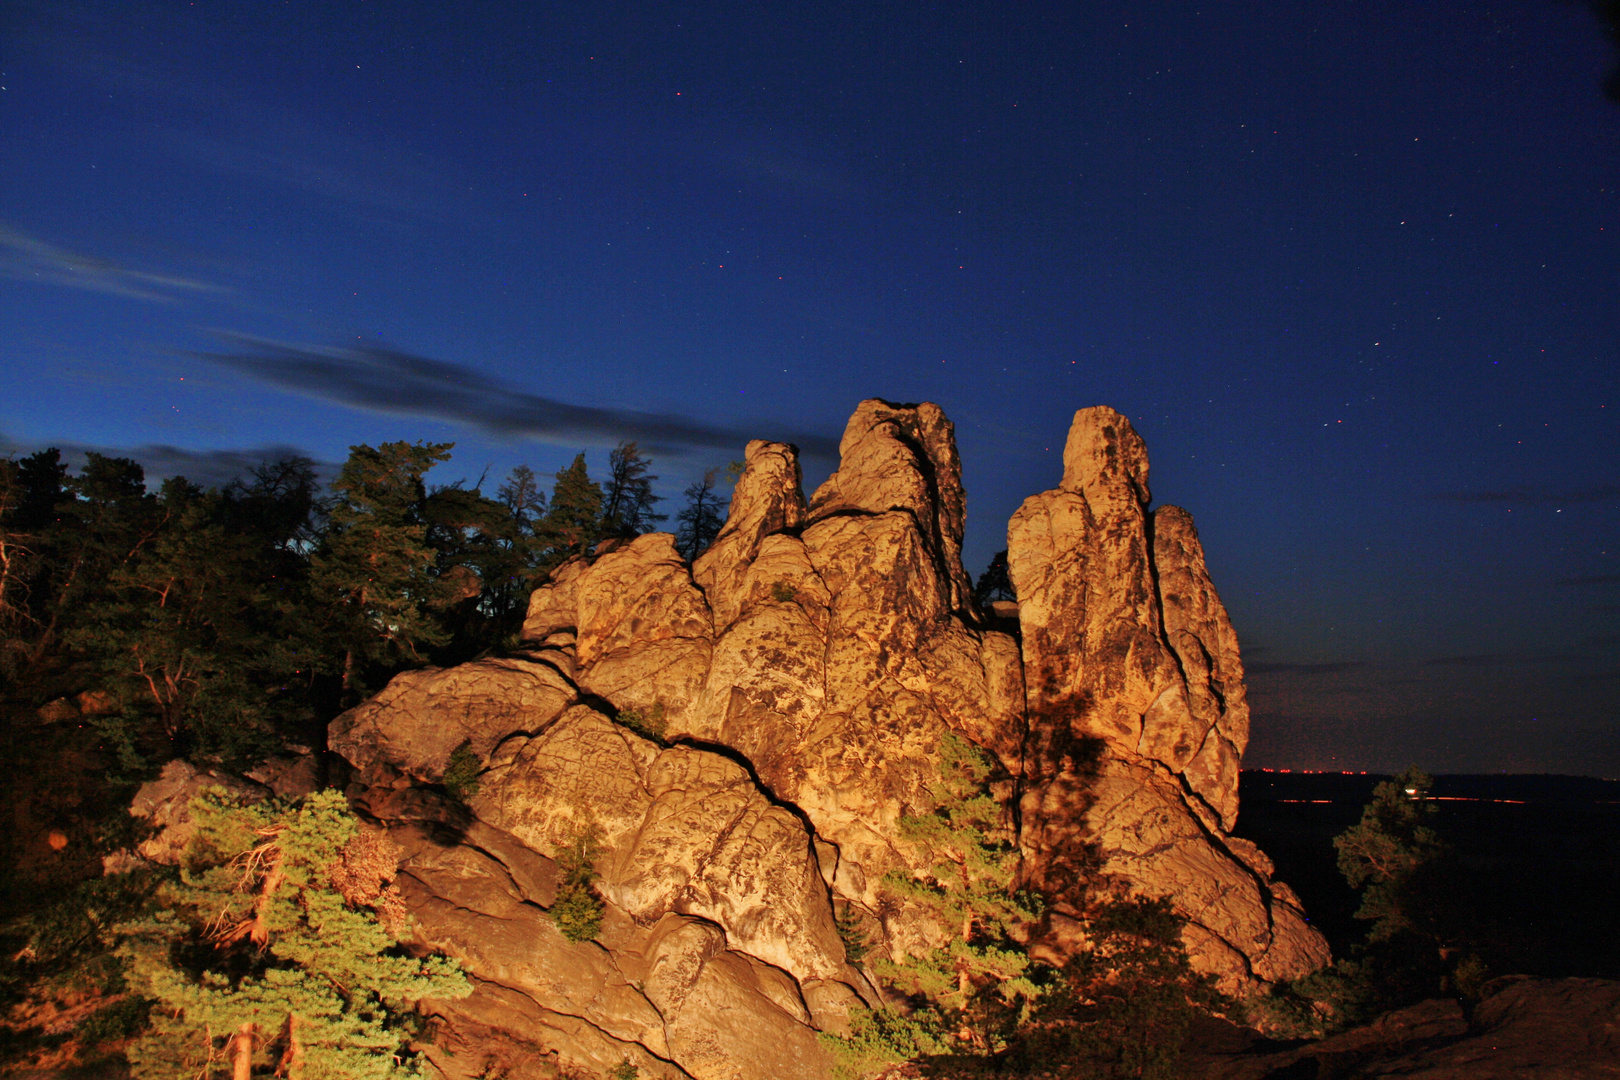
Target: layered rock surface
x: 805, y: 671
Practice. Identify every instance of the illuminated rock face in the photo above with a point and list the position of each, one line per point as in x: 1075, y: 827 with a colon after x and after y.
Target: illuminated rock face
x: 805, y: 670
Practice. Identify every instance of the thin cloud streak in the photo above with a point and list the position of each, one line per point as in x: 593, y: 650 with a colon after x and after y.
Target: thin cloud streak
x: 210, y: 468
x: 27, y: 258
x: 1491, y: 660
x: 1332, y: 668
x: 1535, y: 496
x: 389, y: 381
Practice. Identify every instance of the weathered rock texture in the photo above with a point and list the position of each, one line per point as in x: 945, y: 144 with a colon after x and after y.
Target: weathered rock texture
x: 806, y: 669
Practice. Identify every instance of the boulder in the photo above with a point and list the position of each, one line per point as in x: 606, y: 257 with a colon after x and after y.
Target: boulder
x: 421, y: 717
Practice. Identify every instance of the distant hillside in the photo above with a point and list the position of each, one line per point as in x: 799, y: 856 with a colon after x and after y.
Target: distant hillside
x: 1538, y: 858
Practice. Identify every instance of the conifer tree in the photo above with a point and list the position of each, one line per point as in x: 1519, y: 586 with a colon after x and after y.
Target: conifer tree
x: 702, y: 519
x: 574, y: 519
x: 1386, y: 848
x: 181, y: 630
x: 276, y: 949
x: 374, y: 572
x: 966, y: 887
x: 628, y: 499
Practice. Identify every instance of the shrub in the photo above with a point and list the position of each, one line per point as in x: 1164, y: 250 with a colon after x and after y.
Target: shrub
x: 848, y: 923
x: 461, y: 773
x: 279, y: 939
x: 784, y: 593
x: 577, y: 909
x: 648, y: 723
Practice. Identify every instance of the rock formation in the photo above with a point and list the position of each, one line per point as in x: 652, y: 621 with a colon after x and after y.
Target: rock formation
x: 744, y: 735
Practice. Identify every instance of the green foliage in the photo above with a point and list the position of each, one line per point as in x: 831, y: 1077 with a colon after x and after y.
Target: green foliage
x: 1417, y: 945
x: 882, y: 1037
x: 783, y: 592
x: 577, y: 909
x: 277, y: 944
x: 574, y: 520
x: 995, y: 583
x: 1382, y: 853
x: 185, y: 632
x: 1124, y: 1004
x: 373, y: 576
x: 624, y: 1070
x: 850, y: 931
x: 462, y: 771
x: 72, y: 941
x: 118, y: 1019
x: 966, y: 888
x: 648, y: 723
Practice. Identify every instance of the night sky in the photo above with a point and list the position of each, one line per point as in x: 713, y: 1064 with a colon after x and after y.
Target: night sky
x: 1350, y: 267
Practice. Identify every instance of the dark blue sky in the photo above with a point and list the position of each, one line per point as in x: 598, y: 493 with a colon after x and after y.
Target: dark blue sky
x: 1351, y: 267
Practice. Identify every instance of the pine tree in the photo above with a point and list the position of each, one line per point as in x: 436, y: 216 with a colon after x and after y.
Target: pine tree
x: 1124, y: 1002
x: 995, y: 583
x: 573, y: 522
x: 374, y: 574
x: 277, y: 948
x: 185, y: 631
x: 966, y: 887
x: 628, y: 500
x: 1389, y: 845
x: 702, y: 519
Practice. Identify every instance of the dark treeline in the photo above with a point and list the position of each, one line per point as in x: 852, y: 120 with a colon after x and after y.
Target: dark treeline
x: 229, y: 623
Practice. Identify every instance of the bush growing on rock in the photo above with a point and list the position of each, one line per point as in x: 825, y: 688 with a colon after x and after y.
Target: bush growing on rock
x: 973, y: 990
x: 461, y: 773
x: 578, y: 909
x: 648, y: 723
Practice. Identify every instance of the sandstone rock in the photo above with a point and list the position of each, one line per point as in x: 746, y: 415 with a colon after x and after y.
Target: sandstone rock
x: 1523, y: 1029
x: 806, y: 669
x: 420, y: 718
x: 644, y: 629
x: 768, y: 499
x: 289, y: 776
x: 670, y: 990
x: 682, y: 830
x: 166, y: 804
x: 903, y: 457
x: 1136, y: 710
x: 1094, y: 659
x: 1197, y: 627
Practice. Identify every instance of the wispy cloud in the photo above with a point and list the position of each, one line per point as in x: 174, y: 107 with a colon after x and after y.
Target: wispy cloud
x: 1331, y: 668
x: 389, y: 381
x: 1531, y: 495
x: 28, y: 258
x: 1491, y: 660
x: 211, y: 468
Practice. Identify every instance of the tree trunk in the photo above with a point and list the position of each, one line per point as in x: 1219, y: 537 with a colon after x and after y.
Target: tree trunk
x: 242, y: 1053
x: 295, y: 1051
